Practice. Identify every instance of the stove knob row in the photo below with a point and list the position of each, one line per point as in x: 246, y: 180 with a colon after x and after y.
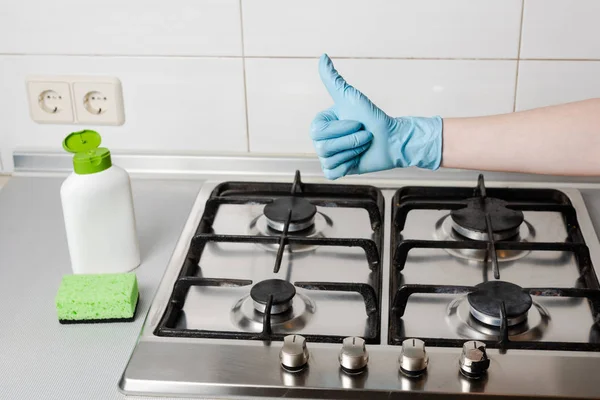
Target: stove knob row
x: 413, y: 357
x: 474, y: 361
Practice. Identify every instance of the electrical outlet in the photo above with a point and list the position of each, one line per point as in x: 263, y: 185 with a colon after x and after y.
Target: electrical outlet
x: 50, y: 100
x: 89, y: 100
x: 98, y: 100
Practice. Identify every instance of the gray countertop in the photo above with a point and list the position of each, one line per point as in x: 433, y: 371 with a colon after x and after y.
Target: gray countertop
x: 41, y: 359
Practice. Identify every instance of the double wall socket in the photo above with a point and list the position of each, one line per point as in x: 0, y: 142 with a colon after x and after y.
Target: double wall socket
x: 90, y: 100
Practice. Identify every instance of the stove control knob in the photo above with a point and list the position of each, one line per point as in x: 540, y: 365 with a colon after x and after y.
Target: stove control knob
x: 473, y: 361
x: 354, y: 356
x: 413, y: 357
x: 293, y: 354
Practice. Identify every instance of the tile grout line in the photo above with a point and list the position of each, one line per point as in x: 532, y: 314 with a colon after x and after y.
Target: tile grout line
x: 234, y: 57
x: 519, y: 55
x: 244, y: 78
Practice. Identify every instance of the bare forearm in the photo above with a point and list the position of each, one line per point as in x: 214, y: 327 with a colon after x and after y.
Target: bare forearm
x: 558, y: 140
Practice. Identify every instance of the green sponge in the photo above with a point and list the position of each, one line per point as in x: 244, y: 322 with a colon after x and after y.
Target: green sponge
x: 87, y: 298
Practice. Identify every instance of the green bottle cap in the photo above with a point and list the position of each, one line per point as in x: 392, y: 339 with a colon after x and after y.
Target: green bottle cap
x: 89, y: 158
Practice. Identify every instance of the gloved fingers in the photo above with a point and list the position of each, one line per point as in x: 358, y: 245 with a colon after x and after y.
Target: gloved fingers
x: 341, y: 170
x: 327, y: 126
x: 336, y: 160
x: 329, y: 147
x: 338, y: 88
x: 326, y: 115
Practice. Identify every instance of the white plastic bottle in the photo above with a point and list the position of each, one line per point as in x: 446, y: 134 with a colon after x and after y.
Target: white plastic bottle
x: 98, y: 209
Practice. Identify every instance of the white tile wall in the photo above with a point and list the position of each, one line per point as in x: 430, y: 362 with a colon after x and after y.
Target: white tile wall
x: 182, y: 63
x: 285, y: 94
x: 132, y: 27
x: 171, y: 104
x: 382, y: 28
x: 561, y: 29
x: 544, y: 83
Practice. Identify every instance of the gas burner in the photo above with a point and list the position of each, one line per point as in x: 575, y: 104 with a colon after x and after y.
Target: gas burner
x: 470, y: 221
x: 282, y: 291
x: 460, y: 318
x: 302, y: 213
x: 245, y: 316
x: 444, y: 230
x: 322, y: 227
x: 486, y: 300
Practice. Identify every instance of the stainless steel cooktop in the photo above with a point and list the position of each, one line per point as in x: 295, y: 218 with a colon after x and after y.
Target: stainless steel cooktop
x: 344, y: 291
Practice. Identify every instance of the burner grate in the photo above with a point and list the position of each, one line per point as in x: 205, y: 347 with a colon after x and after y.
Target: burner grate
x: 349, y: 196
x: 454, y: 199
x: 436, y: 198
x: 405, y: 291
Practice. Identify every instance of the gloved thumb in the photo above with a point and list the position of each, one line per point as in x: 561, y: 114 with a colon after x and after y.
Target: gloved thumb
x: 340, y: 91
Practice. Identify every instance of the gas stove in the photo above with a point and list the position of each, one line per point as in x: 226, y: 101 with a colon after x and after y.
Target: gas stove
x: 304, y: 290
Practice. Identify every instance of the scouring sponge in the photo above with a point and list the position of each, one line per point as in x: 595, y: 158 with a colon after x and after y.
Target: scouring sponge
x: 87, y: 298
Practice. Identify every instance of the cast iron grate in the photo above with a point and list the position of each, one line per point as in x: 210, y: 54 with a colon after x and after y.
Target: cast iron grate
x: 324, y: 195
x: 451, y: 198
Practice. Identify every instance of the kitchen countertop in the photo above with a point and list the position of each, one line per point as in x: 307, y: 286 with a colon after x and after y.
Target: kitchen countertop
x: 40, y: 357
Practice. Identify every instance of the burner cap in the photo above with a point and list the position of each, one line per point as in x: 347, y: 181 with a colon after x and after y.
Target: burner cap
x: 282, y: 291
x: 485, y: 303
x: 303, y: 213
x: 470, y: 220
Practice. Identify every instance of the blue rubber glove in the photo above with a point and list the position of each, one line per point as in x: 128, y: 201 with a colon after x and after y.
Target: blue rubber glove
x: 356, y: 137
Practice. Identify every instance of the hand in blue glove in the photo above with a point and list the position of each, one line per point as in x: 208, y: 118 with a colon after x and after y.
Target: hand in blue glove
x: 356, y: 137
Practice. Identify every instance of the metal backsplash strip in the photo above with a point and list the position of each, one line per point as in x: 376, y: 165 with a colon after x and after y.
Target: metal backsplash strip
x: 248, y: 167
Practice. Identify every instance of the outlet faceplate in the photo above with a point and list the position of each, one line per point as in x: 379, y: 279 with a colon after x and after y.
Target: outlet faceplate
x: 89, y: 100
x: 50, y: 101
x: 98, y: 100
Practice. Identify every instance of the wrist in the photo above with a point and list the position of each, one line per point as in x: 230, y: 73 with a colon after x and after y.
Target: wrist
x: 417, y: 142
